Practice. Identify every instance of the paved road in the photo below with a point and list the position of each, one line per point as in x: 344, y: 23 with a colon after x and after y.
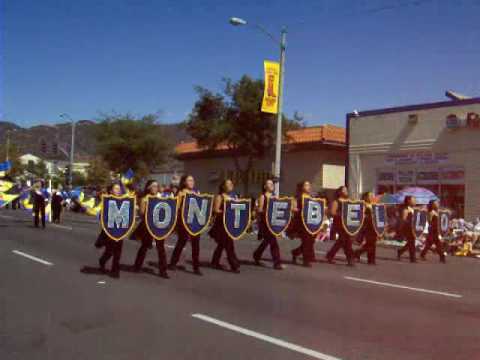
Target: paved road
x: 50, y: 309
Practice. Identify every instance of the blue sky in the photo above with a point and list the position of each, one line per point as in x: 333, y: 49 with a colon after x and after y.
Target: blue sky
x: 144, y: 56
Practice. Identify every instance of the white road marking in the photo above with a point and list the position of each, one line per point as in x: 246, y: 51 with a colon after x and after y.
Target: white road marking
x: 170, y: 246
x: 101, y: 282
x: 403, y: 287
x: 269, y: 339
x: 62, y: 226
x: 6, y: 217
x: 41, y: 261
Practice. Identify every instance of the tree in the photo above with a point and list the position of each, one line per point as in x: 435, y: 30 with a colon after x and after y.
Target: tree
x: 98, y: 173
x: 40, y: 169
x: 14, y: 157
x: 78, y: 179
x: 233, y: 119
x: 126, y: 141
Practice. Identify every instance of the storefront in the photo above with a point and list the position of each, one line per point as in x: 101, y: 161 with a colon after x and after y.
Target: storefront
x: 317, y: 154
x: 434, y: 146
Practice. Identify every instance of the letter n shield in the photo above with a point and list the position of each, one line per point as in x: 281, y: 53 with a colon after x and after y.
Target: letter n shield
x: 379, y: 218
x: 443, y: 222
x: 278, y: 214
x: 161, y: 216
x: 419, y: 221
x: 236, y: 217
x: 118, y: 215
x: 353, y: 215
x: 312, y: 212
x: 196, y: 212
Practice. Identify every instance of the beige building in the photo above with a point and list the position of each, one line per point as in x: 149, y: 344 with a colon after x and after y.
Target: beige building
x: 435, y: 146
x: 317, y: 154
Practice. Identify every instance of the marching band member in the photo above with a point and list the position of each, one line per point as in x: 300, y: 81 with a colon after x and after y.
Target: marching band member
x: 433, y: 237
x: 407, y: 228
x: 223, y: 240
x: 268, y: 239
x: 187, y: 185
x: 151, y: 188
x: 368, y: 231
x: 306, y: 248
x: 344, y: 239
x: 40, y: 200
x: 57, y: 201
x: 112, y: 247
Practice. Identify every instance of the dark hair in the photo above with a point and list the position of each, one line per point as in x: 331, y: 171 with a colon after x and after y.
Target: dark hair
x: 110, y: 187
x: 265, y: 185
x: 299, y: 188
x: 223, y: 185
x: 430, y: 204
x: 406, y: 201
x: 183, y: 181
x: 365, y: 195
x: 146, y: 188
x: 338, y: 192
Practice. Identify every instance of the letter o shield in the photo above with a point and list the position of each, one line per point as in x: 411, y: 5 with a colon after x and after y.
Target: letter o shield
x: 278, y: 214
x: 312, y: 213
x: 237, y: 217
x: 379, y: 218
x: 161, y: 216
x: 443, y: 222
x: 353, y: 215
x: 118, y: 215
x: 419, y: 221
x: 196, y: 212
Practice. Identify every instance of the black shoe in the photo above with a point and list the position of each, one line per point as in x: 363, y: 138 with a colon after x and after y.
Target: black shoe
x: 399, y: 255
x: 102, y: 267
x: 235, y: 270
x: 372, y: 263
x: 172, y: 267
x: 115, y: 274
x: 218, y: 267
x: 330, y: 260
x: 163, y: 274
x: 257, y: 262
x: 307, y: 265
x: 294, y: 258
x: 351, y: 264
x: 136, y: 269
x: 423, y: 257
x: 197, y: 272
x: 443, y: 260
x: 414, y: 261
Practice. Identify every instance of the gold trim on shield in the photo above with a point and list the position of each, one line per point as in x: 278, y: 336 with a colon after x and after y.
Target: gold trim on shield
x: 146, y: 216
x: 266, y: 212
x: 363, y: 217
x: 121, y: 197
x: 209, y: 216
x: 249, y: 217
x: 305, y: 196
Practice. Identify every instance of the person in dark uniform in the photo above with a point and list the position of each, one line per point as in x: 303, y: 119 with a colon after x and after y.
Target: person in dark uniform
x: 151, y: 188
x: 40, y: 199
x: 218, y: 233
x: 344, y: 240
x: 57, y: 201
x: 268, y: 239
x: 407, y: 229
x: 187, y: 185
x: 433, y: 237
x: 113, y: 248
x: 368, y: 232
x: 306, y: 248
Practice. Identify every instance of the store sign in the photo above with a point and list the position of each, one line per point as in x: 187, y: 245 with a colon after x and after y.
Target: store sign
x: 416, y: 158
x: 471, y: 121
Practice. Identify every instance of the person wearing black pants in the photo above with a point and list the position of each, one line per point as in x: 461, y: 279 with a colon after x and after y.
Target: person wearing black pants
x: 112, y: 248
x: 223, y: 240
x: 433, y: 237
x: 268, y: 239
x: 187, y: 184
x: 151, y: 188
x: 408, y: 231
x: 39, y: 202
x: 57, y: 200
x: 368, y: 232
x: 344, y: 240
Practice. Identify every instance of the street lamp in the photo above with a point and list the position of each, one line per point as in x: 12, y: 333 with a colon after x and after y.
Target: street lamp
x: 72, y: 145
x: 283, y: 44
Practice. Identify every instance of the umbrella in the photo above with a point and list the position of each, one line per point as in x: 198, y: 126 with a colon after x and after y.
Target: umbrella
x: 388, y: 199
x: 422, y: 195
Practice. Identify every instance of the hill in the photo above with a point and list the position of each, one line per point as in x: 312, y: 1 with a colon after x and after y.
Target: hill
x: 48, y: 141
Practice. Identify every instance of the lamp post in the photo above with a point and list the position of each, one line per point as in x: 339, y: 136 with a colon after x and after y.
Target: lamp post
x: 72, y: 146
x: 278, y: 142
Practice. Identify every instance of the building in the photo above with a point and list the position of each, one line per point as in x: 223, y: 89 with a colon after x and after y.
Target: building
x: 316, y: 153
x: 435, y: 146
x: 55, y: 167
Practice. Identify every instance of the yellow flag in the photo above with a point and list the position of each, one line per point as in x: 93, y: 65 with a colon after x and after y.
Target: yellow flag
x: 270, y: 93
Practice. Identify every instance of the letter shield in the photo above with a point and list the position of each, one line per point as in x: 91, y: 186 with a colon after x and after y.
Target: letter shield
x: 419, y: 221
x: 353, y: 215
x: 161, y: 216
x: 117, y: 216
x: 312, y: 213
x: 379, y: 218
x: 196, y: 212
x: 236, y: 217
x: 443, y: 222
x: 278, y: 214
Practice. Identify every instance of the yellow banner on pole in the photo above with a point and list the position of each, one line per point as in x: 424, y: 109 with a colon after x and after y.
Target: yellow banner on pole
x: 270, y: 93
